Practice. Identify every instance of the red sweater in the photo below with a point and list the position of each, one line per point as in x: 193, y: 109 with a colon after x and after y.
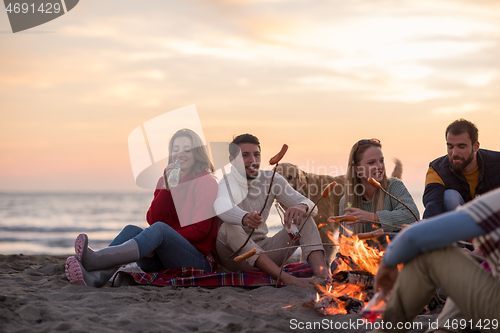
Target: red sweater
x: 194, y: 199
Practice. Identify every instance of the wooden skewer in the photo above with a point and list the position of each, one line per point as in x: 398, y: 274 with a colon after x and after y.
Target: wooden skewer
x: 338, y: 219
x: 252, y: 252
x: 371, y: 234
x: 374, y: 234
x: 376, y: 184
x: 324, y: 194
x: 274, y: 160
x: 374, y: 222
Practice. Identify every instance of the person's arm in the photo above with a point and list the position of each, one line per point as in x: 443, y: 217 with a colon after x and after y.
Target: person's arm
x: 290, y: 197
x: 224, y: 207
x: 436, y: 233
x: 471, y: 220
x: 400, y: 214
x: 161, y: 204
x: 433, y: 194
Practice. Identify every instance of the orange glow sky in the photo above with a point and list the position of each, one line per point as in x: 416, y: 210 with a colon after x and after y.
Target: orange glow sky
x: 317, y: 75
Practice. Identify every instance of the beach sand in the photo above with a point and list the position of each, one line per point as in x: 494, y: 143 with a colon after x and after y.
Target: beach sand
x: 35, y: 296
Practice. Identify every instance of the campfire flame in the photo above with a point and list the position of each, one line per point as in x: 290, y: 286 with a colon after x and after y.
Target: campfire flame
x: 361, y: 254
x: 336, y: 298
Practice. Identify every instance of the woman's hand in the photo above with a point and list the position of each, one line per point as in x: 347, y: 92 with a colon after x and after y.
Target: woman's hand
x: 360, y: 214
x: 166, y: 172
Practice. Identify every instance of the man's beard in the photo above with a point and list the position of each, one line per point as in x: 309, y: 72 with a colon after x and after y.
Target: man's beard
x: 251, y: 177
x: 460, y: 167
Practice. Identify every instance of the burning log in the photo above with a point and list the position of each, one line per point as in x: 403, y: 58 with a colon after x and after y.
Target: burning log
x: 352, y: 281
x: 328, y: 305
x: 352, y: 275
x: 359, y: 278
x: 343, y: 262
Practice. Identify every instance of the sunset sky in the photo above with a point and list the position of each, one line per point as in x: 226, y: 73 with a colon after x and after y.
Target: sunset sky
x: 317, y: 75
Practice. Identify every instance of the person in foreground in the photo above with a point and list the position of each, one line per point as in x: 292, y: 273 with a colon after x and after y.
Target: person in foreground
x: 367, y: 202
x: 430, y: 262
x: 241, y: 196
x: 464, y: 173
x: 183, y: 226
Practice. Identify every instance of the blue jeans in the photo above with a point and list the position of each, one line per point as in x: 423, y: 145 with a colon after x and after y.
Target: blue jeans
x: 451, y: 200
x: 172, y: 250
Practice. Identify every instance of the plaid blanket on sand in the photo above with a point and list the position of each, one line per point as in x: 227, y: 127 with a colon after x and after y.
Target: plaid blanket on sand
x: 188, y: 276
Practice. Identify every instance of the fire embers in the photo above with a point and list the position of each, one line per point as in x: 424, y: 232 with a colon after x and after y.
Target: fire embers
x: 340, y: 298
x: 352, y: 274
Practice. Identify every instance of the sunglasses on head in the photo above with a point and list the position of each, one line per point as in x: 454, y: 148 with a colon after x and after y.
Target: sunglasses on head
x: 367, y: 141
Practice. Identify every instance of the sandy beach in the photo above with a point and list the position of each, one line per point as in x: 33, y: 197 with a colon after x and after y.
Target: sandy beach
x: 35, y: 296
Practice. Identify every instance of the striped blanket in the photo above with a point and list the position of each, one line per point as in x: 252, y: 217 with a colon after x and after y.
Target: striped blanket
x: 188, y: 276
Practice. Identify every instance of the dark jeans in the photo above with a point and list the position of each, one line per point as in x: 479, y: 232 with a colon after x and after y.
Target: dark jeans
x: 171, y: 249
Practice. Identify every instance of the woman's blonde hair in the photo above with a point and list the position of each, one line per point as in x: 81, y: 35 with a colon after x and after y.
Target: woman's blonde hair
x: 353, y: 188
x: 202, y: 162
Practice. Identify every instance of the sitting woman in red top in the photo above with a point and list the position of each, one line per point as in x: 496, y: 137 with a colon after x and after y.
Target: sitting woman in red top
x: 183, y: 226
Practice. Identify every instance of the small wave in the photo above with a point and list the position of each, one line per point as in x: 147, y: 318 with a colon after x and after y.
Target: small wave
x: 54, y: 229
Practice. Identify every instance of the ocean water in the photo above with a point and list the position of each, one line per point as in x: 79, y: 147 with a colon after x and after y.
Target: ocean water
x: 48, y: 223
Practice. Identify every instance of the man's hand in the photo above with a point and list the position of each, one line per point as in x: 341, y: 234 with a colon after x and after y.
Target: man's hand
x: 252, y: 220
x: 360, y: 214
x: 386, y: 277
x: 295, y: 214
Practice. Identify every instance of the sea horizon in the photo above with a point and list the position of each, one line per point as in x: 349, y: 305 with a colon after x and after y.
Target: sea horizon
x: 47, y: 222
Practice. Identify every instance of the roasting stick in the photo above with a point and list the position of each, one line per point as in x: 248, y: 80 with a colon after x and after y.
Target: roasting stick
x: 353, y: 219
x: 273, y: 161
x: 374, y: 234
x: 253, y: 251
x: 324, y: 194
x: 374, y: 222
x: 376, y: 184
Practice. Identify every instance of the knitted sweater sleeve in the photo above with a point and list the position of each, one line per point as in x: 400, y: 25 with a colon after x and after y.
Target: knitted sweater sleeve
x: 399, y: 215
x: 161, y: 204
x: 225, y: 208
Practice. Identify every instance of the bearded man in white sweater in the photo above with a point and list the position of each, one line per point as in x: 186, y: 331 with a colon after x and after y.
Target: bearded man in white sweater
x: 240, y: 198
